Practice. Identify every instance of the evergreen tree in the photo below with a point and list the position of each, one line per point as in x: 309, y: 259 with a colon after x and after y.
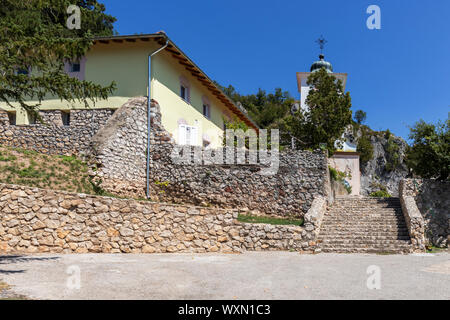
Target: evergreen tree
x: 327, y: 115
x: 34, y: 44
x: 429, y: 155
x: 360, y: 116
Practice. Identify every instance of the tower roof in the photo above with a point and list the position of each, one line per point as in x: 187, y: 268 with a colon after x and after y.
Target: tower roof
x: 317, y: 65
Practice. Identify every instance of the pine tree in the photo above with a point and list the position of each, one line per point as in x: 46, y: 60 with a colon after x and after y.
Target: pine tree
x: 327, y: 115
x: 34, y: 37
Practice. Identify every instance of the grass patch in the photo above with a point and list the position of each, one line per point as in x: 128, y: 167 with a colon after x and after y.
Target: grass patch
x: 269, y: 220
x: 33, y: 169
x: 433, y: 249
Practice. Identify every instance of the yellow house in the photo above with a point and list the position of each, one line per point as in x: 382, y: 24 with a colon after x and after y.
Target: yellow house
x: 192, y: 106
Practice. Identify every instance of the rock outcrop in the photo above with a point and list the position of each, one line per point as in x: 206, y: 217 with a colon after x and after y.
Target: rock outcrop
x: 387, y: 166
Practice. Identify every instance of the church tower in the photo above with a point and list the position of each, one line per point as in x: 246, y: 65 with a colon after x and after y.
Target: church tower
x: 302, y: 77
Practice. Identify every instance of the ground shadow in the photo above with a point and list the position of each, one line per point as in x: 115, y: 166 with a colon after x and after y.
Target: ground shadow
x: 10, y: 259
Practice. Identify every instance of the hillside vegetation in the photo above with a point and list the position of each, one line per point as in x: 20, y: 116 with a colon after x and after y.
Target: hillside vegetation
x: 29, y: 168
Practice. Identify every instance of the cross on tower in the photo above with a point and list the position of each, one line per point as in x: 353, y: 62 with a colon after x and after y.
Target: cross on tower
x: 321, y: 42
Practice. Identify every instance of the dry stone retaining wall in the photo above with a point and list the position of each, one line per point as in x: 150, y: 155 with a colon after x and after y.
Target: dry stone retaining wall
x: 52, y: 137
x: 119, y: 151
x: 36, y: 220
x: 431, y: 198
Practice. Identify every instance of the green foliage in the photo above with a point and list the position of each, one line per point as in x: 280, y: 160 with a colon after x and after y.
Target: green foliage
x: 264, y: 108
x: 269, y: 220
x: 163, y: 185
x: 97, y: 186
x: 429, y: 155
x: 327, y: 116
x: 234, y: 124
x: 380, y: 194
x: 365, y: 148
x: 34, y: 36
x: 336, y: 175
x: 25, y: 167
x: 339, y: 177
x: 360, y: 116
x: 392, y: 153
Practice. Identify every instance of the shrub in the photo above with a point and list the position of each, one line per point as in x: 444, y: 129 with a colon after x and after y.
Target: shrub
x: 365, y: 148
x: 380, y: 194
x: 339, y: 177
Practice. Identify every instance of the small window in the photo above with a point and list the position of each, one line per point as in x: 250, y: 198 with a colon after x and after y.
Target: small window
x: 12, y: 118
x: 184, y: 93
x: 75, y: 67
x: 207, y: 111
x: 65, y: 117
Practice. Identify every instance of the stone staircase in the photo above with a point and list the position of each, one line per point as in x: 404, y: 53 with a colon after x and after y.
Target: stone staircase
x: 364, y: 225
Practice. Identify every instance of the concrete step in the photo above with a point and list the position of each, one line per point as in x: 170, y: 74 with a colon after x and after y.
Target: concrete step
x: 337, y: 234
x: 365, y: 242
x: 365, y: 224
x: 385, y: 250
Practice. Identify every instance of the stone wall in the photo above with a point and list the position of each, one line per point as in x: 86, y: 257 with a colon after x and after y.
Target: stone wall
x: 119, y: 152
x: 35, y: 220
x: 51, y: 137
x: 314, y: 216
x: 432, y: 199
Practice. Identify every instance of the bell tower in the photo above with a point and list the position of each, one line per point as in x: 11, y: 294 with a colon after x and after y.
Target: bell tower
x: 302, y: 77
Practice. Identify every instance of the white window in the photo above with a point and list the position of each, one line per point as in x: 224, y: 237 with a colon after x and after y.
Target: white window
x: 187, y: 135
x: 207, y: 111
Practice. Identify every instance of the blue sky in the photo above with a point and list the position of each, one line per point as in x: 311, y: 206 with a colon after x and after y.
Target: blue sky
x: 398, y: 74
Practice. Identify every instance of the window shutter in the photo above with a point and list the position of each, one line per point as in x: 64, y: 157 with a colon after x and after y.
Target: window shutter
x: 194, y: 136
x: 182, y: 134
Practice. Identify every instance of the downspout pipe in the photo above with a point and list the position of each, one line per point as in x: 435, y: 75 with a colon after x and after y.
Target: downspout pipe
x: 148, y: 112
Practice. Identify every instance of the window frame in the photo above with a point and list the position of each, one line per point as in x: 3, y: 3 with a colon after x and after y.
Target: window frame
x: 72, y: 64
x: 65, y: 117
x: 207, y: 108
x: 184, y: 83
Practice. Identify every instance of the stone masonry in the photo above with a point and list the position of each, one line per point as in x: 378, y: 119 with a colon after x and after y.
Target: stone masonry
x: 119, y: 153
x: 51, y: 137
x: 36, y: 220
x: 365, y: 225
x: 429, y: 200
